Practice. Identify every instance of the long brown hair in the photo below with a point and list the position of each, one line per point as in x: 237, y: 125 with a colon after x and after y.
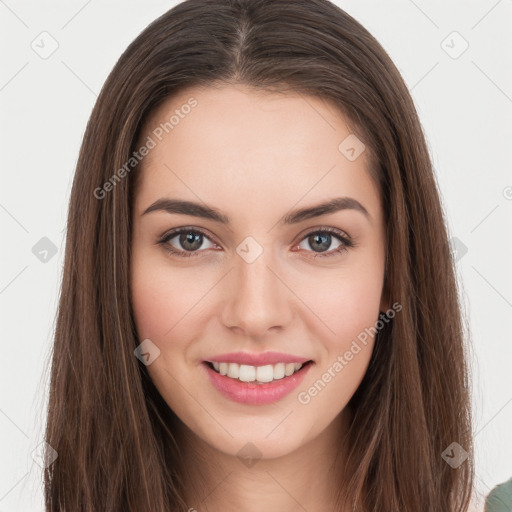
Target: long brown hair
x: 112, y: 430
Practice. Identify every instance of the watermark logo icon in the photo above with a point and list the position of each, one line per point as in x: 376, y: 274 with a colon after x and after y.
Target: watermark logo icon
x: 249, y: 455
x: 455, y: 455
x: 249, y: 250
x: 459, y: 249
x: 147, y: 352
x: 45, y: 45
x: 351, y: 147
x: 44, y: 455
x: 454, y: 45
x: 44, y: 250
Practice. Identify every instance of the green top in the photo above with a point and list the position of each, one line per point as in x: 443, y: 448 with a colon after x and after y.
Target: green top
x: 500, y: 498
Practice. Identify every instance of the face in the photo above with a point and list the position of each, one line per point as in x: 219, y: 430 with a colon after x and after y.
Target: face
x: 250, y: 275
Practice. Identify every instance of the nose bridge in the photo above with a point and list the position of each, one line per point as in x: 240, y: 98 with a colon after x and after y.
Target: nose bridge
x: 259, y: 299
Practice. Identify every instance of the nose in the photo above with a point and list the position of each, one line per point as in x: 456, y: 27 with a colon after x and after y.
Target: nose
x: 259, y: 300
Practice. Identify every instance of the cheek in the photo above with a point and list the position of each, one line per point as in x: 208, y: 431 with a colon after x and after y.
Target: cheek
x: 346, y: 302
x: 162, y: 301
x: 349, y: 307
x: 152, y: 305
x: 163, y: 307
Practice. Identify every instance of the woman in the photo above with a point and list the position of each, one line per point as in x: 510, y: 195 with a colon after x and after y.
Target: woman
x: 259, y: 307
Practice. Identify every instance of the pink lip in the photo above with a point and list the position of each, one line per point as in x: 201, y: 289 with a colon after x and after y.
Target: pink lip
x: 251, y: 393
x: 257, y: 359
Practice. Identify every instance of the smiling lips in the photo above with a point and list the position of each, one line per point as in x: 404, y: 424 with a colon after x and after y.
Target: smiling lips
x: 256, y: 379
x: 265, y: 367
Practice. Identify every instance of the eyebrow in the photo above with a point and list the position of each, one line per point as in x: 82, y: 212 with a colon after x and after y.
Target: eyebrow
x: 199, y: 210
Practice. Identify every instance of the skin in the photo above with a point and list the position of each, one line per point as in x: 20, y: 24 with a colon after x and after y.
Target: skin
x: 256, y: 156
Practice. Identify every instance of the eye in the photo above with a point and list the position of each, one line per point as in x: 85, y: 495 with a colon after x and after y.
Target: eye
x: 322, y: 239
x: 189, y: 239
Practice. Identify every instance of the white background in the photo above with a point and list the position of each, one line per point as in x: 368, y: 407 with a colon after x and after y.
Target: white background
x: 465, y: 105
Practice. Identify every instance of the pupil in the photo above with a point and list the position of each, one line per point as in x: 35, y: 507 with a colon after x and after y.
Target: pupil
x: 322, y: 239
x: 194, y: 239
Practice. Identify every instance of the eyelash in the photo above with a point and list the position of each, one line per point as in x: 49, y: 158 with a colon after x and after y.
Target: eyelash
x: 346, y: 242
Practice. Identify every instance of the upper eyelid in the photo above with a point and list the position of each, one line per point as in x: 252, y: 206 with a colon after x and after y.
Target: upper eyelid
x: 169, y: 235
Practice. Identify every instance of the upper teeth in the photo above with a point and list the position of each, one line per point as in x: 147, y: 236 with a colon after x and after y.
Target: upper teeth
x: 266, y: 373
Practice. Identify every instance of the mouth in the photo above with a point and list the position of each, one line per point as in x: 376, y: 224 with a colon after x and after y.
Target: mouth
x: 259, y: 375
x: 262, y: 385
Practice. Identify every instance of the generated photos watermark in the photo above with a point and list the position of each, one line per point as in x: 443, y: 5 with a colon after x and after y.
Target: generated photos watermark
x: 305, y: 397
x: 150, y: 143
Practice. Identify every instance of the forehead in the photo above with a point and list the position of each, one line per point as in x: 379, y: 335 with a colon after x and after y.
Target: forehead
x: 240, y: 146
